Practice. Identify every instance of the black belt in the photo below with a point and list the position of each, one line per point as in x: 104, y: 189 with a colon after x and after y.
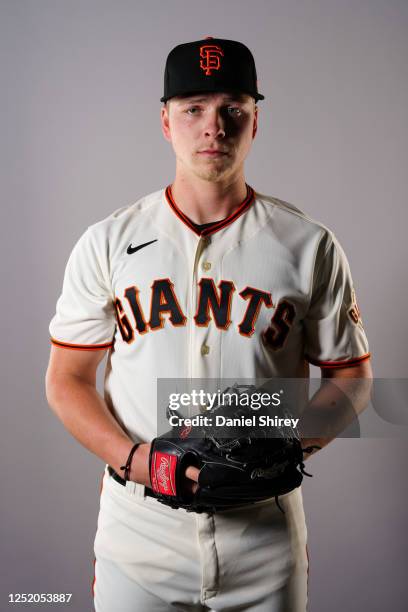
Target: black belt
x: 122, y: 481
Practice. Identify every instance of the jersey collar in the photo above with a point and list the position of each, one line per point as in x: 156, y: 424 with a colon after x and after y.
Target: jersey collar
x: 243, y: 207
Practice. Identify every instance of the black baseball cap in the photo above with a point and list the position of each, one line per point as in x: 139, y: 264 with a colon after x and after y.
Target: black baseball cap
x: 210, y: 65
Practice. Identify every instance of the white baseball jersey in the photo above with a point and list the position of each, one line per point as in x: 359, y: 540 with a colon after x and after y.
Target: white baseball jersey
x: 260, y: 294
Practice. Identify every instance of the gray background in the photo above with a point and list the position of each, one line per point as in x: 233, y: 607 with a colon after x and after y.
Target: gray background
x: 80, y: 89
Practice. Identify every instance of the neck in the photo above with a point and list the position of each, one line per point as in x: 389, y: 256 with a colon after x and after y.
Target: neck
x: 204, y: 201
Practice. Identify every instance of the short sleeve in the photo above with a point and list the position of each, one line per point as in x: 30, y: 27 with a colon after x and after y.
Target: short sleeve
x: 84, y: 317
x: 334, y: 333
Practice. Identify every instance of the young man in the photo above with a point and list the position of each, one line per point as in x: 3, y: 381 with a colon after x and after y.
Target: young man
x: 204, y: 279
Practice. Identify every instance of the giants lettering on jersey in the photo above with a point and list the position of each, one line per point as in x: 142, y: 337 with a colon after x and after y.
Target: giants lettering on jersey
x: 214, y: 304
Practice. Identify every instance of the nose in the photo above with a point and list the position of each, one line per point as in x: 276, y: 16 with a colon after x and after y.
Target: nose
x: 215, y: 124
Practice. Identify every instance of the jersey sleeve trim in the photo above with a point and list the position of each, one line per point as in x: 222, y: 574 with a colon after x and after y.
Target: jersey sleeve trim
x: 339, y: 364
x: 82, y: 347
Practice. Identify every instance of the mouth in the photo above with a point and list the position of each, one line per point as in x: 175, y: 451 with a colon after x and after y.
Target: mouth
x: 212, y: 153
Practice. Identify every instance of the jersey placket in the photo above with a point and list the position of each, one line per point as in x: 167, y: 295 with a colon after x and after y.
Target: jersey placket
x: 203, y: 344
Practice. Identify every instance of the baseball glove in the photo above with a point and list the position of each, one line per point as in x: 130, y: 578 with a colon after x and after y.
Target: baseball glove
x: 243, y: 468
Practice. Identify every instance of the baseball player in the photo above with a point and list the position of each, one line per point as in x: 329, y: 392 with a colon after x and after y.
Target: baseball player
x: 203, y: 279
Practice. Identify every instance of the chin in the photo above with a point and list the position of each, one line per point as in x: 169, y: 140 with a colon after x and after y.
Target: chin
x: 213, y: 173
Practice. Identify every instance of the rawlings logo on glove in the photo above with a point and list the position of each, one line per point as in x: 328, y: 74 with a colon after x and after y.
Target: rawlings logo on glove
x: 162, y: 473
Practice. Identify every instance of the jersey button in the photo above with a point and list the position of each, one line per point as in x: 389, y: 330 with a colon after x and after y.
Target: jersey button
x: 205, y: 349
x: 206, y: 266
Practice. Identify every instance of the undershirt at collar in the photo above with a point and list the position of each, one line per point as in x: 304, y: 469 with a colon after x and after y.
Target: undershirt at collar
x: 203, y: 226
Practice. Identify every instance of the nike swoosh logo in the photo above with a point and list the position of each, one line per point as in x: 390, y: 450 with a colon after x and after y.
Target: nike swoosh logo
x: 131, y: 250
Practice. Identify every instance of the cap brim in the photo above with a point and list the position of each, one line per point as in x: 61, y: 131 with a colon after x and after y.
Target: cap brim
x: 256, y: 96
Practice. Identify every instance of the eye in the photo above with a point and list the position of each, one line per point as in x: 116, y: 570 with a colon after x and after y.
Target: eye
x: 234, y: 111
x: 192, y: 110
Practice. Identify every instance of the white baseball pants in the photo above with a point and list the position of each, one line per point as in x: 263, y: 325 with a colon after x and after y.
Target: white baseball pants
x: 151, y: 558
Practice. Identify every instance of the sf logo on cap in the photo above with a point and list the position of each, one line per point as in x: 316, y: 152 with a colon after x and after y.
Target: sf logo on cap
x: 210, y: 55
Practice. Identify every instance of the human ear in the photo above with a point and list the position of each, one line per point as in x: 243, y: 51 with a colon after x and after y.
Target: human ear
x: 165, y: 121
x: 255, y: 124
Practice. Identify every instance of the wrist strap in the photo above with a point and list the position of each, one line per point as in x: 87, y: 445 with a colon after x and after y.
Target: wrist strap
x: 126, y: 467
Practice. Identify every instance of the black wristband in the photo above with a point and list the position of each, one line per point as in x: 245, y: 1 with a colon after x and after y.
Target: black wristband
x: 129, y: 462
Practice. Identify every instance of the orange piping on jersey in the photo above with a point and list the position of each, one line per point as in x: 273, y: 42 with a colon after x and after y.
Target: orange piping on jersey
x: 339, y: 364
x: 307, y: 578
x: 178, y: 212
x: 243, y: 207
x: 94, y: 562
x: 81, y: 347
x: 94, y: 580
